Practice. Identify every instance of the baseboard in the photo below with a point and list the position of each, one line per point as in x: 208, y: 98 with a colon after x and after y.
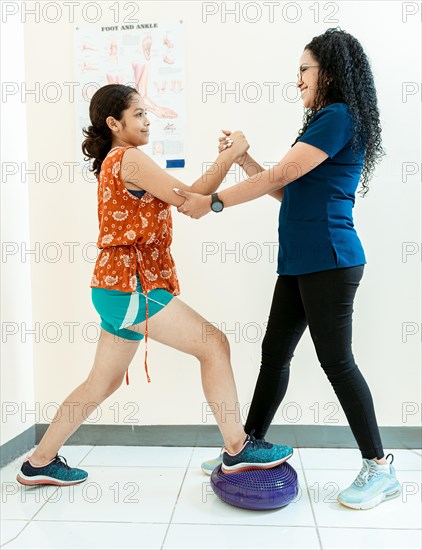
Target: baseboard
x: 17, y: 446
x: 393, y: 437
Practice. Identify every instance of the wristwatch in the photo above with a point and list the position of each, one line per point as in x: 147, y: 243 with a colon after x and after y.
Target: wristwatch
x: 216, y: 204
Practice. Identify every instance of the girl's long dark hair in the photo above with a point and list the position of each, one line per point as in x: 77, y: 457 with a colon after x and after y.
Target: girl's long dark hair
x: 343, y: 62
x: 110, y: 100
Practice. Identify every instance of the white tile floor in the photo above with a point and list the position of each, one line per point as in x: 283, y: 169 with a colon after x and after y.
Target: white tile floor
x: 155, y: 497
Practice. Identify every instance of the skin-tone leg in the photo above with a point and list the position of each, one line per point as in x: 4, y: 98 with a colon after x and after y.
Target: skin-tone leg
x: 113, y: 356
x: 182, y: 328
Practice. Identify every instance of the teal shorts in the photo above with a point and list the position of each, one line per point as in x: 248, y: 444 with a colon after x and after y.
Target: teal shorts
x: 123, y: 309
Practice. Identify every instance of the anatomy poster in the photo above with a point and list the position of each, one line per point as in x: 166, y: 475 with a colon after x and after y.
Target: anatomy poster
x: 149, y: 57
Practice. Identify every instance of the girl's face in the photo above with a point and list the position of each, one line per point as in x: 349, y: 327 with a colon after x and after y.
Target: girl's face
x: 307, y: 79
x: 133, y: 128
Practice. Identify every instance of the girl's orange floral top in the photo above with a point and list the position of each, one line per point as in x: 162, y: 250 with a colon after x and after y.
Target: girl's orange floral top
x: 135, y: 237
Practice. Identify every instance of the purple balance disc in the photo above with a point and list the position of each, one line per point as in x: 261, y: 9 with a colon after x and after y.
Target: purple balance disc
x: 257, y: 489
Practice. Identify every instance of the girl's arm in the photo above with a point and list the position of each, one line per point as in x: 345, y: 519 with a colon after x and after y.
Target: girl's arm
x: 210, y: 181
x: 300, y: 159
x: 140, y: 170
x: 249, y: 165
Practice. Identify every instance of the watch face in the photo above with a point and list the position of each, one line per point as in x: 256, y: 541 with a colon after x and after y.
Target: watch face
x: 217, y: 206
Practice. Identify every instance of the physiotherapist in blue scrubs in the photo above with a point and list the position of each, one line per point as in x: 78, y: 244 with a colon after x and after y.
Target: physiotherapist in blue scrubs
x: 321, y: 259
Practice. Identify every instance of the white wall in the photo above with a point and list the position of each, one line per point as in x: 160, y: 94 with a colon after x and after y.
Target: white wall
x: 234, y: 294
x: 17, y: 375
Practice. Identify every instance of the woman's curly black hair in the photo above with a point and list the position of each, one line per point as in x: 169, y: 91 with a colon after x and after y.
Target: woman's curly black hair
x: 343, y: 62
x: 110, y: 100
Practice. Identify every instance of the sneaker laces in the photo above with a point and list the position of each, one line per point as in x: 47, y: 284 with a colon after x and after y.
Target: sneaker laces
x: 369, y: 470
x: 258, y: 443
x: 59, y: 459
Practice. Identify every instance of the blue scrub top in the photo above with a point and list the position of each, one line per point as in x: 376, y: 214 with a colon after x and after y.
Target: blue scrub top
x: 316, y: 229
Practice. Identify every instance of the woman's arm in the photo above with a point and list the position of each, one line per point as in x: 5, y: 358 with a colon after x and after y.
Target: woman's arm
x: 252, y: 168
x: 300, y: 159
x: 140, y: 170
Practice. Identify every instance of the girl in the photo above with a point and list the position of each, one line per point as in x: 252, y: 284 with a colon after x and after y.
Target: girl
x: 321, y: 259
x: 134, y: 285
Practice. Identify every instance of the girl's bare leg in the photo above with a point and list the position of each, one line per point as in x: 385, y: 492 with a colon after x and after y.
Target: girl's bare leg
x: 112, y: 358
x: 180, y: 327
x: 177, y: 326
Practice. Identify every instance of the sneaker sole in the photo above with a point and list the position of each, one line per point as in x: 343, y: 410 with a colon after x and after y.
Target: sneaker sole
x: 373, y: 502
x: 45, y: 480
x: 244, y: 466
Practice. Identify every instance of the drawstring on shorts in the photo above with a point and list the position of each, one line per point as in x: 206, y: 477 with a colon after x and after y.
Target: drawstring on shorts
x: 146, y: 335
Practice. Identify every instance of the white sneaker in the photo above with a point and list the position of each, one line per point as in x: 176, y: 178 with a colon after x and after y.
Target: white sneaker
x: 374, y: 484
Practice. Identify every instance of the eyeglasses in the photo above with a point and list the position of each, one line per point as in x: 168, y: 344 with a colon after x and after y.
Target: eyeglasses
x: 303, y: 68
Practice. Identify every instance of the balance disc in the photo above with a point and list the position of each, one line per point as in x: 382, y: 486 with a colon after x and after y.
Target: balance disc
x: 256, y: 489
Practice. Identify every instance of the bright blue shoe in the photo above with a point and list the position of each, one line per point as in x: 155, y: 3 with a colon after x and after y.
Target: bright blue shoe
x: 56, y: 472
x: 374, y: 484
x: 256, y: 454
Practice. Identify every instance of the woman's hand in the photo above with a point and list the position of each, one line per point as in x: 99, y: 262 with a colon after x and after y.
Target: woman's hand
x: 227, y: 141
x: 195, y: 205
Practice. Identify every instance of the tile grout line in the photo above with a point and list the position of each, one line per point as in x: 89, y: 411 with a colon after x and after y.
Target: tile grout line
x: 315, y: 526
x: 22, y: 487
x: 87, y: 453
x: 266, y: 525
x: 310, y: 501
x: 16, y: 536
x: 70, y: 521
x: 177, y: 499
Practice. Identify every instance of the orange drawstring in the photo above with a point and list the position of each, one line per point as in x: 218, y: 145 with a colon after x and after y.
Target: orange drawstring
x: 146, y: 337
x: 146, y: 343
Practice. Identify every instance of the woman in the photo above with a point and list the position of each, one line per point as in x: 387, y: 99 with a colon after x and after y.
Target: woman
x: 321, y: 259
x: 134, y: 285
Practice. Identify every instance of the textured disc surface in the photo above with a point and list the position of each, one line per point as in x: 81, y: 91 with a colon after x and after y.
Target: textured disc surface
x: 257, y: 489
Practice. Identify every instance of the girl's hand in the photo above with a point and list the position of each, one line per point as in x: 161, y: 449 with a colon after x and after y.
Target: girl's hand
x: 227, y: 141
x: 224, y: 141
x: 195, y: 205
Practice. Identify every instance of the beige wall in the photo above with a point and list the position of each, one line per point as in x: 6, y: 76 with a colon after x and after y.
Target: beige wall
x: 234, y: 294
x: 17, y: 368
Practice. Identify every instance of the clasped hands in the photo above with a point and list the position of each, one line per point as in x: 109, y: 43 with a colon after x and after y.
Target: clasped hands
x: 196, y: 205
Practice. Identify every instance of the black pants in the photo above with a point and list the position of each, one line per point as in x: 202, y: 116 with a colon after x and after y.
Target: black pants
x: 324, y: 302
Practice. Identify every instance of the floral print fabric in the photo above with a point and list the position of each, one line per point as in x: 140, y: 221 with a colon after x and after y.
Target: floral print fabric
x: 135, y: 235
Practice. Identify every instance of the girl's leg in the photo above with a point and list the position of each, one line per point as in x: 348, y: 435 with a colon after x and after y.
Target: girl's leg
x: 328, y: 297
x: 112, y: 358
x: 286, y: 324
x: 180, y: 327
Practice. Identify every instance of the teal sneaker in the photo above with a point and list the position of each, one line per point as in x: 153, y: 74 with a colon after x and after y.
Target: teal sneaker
x: 56, y: 472
x: 374, y: 484
x: 256, y: 454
